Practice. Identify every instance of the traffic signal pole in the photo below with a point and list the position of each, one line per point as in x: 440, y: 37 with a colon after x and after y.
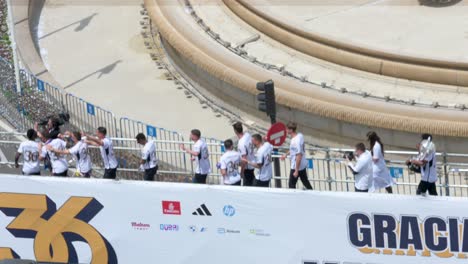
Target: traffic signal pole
x: 267, y: 103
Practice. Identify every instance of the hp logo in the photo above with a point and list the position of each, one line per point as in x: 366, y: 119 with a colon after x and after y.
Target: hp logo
x: 229, y: 210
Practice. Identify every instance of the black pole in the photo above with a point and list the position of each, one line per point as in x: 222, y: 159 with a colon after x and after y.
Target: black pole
x: 276, y: 161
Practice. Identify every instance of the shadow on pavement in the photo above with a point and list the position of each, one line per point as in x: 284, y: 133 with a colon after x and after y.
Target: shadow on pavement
x: 106, y: 70
x: 82, y: 24
x: 439, y: 3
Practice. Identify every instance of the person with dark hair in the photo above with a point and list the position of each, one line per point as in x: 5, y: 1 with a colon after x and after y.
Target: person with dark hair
x: 246, y: 149
x: 381, y: 175
x: 229, y: 165
x: 263, y: 161
x: 149, y: 160
x: 58, y: 162
x: 362, y: 170
x: 201, y: 155
x: 80, y: 153
x: 30, y: 150
x: 107, y: 151
x: 298, y: 158
x: 427, y: 161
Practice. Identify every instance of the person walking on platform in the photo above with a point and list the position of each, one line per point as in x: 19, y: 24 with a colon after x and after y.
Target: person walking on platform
x: 149, y: 160
x: 263, y: 161
x: 427, y: 161
x: 201, y: 155
x: 246, y: 149
x: 31, y: 151
x: 381, y: 177
x: 106, y: 147
x: 298, y: 158
x: 229, y: 165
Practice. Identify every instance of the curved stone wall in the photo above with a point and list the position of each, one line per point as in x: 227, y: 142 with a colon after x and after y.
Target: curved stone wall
x: 234, y: 79
x: 345, y: 54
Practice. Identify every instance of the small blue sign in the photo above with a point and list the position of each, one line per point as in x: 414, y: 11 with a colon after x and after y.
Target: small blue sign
x: 396, y: 172
x: 91, y: 109
x: 311, y: 164
x: 223, y: 149
x: 40, y: 85
x: 229, y: 210
x: 151, y: 131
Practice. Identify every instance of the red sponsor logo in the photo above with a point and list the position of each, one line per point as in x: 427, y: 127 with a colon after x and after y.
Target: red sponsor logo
x: 171, y: 208
x: 140, y: 226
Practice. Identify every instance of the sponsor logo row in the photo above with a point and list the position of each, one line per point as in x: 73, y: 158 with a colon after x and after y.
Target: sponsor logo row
x: 196, y: 229
x: 175, y: 208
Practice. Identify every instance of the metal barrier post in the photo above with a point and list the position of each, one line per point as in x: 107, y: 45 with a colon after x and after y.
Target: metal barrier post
x: 446, y: 174
x: 329, y: 178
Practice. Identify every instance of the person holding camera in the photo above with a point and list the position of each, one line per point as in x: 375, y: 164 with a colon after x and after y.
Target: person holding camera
x: 362, y: 170
x: 427, y: 162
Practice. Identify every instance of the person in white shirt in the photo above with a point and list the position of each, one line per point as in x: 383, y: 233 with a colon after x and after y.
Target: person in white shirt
x: 107, y: 151
x: 31, y: 151
x: 80, y: 153
x: 362, y: 170
x: 201, y: 155
x: 246, y: 150
x: 298, y: 158
x: 149, y: 160
x: 263, y: 161
x: 230, y: 162
x: 58, y: 161
x: 381, y: 177
x: 427, y: 161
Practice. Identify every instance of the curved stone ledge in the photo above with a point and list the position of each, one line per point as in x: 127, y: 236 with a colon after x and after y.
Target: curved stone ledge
x: 334, y: 116
x: 365, y: 59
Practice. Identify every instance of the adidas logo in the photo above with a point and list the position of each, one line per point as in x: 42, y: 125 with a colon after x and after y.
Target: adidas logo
x: 202, y: 211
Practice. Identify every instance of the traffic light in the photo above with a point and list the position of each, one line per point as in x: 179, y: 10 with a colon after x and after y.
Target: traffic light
x: 266, y: 99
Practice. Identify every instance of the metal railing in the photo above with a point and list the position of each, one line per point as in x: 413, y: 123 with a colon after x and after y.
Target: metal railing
x: 326, y: 168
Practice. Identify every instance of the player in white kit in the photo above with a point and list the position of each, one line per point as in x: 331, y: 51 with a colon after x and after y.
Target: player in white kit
x: 31, y: 151
x: 149, y: 160
x: 201, y: 155
x: 107, y: 152
x: 230, y: 162
x: 298, y: 158
x: 80, y: 153
x: 58, y: 162
x: 263, y: 161
x: 246, y: 149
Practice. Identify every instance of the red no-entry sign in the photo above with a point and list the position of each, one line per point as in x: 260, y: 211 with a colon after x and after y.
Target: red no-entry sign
x: 277, y: 134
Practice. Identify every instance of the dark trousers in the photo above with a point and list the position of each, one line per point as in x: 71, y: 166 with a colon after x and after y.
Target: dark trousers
x: 87, y: 174
x: 110, y: 173
x: 360, y: 191
x: 249, y: 177
x: 425, y: 186
x: 259, y: 183
x: 199, y: 178
x: 303, y: 176
x: 32, y: 174
x: 150, y: 173
x: 62, y: 174
x: 389, y: 189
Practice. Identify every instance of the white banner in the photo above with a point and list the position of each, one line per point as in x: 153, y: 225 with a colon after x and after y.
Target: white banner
x: 97, y: 221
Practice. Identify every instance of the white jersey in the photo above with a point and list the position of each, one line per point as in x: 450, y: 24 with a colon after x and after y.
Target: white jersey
x: 429, y: 171
x: 203, y: 158
x: 263, y: 157
x: 230, y: 162
x: 297, y: 147
x: 381, y: 175
x: 107, y: 153
x: 81, y: 154
x: 59, y: 162
x: 363, y: 168
x: 246, y: 147
x: 148, y: 154
x: 30, y: 151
